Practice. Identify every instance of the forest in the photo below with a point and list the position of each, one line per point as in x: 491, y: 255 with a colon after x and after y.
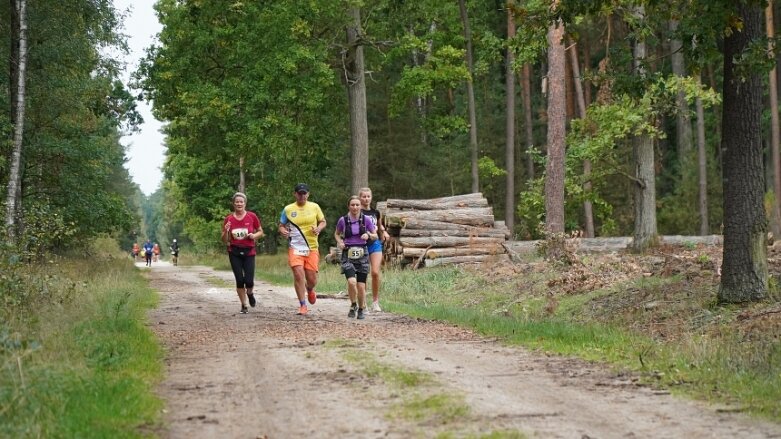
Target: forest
x: 606, y: 118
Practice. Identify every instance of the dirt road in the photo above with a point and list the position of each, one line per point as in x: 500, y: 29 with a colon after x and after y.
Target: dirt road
x: 274, y: 374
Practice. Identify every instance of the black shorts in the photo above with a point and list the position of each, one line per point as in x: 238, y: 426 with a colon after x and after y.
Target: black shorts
x: 352, y: 267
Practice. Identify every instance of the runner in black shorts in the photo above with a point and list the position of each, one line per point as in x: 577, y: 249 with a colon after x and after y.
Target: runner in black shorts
x: 353, y: 231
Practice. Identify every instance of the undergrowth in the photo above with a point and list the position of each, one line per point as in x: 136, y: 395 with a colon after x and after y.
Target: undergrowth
x: 76, y: 359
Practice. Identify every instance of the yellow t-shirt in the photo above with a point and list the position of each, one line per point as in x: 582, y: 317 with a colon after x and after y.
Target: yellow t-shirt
x: 300, y: 220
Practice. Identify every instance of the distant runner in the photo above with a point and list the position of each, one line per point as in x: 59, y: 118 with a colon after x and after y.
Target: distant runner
x: 174, y: 247
x: 148, y: 248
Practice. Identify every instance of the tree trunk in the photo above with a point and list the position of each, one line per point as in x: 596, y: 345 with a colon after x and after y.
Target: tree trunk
x: 580, y: 95
x: 356, y: 93
x: 421, y: 103
x: 468, y: 216
x: 466, y: 260
x: 643, y: 149
x: 242, y: 176
x: 470, y: 91
x: 683, y: 118
x: 13, y: 59
x: 448, y: 241
x: 426, y: 224
x: 509, y: 199
x: 472, y: 250
x: 702, y: 162
x: 468, y: 200
x: 526, y: 95
x: 483, y: 232
x: 15, y: 174
x: 774, y: 128
x: 554, y: 167
x: 744, y: 274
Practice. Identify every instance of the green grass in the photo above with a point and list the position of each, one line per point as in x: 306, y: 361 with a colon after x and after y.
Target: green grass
x: 436, y: 409
x: 421, y: 400
x: 394, y: 377
x: 84, y: 367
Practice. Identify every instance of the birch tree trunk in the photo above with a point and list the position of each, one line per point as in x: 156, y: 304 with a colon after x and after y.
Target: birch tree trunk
x: 470, y: 91
x: 242, y: 177
x: 774, y: 127
x: 509, y: 200
x: 643, y: 150
x: 557, y: 102
x: 356, y: 94
x: 744, y: 274
x: 702, y: 162
x: 15, y: 176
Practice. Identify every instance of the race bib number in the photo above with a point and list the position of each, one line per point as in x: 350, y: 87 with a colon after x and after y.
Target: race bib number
x: 355, y: 252
x: 301, y: 252
x: 239, y: 233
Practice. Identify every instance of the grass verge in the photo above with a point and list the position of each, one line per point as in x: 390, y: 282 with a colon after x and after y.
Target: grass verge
x: 81, y: 364
x: 653, y: 327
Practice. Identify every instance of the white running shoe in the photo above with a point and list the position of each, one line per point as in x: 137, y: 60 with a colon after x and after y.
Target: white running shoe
x: 376, y: 307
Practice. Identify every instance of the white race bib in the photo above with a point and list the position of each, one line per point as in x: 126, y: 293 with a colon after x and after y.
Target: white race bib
x: 301, y: 252
x: 240, y: 233
x: 355, y: 252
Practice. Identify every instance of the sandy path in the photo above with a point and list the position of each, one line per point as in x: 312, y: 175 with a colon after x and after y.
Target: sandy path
x: 273, y: 374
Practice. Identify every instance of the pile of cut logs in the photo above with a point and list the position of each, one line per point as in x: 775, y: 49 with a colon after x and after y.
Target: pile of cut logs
x: 439, y: 231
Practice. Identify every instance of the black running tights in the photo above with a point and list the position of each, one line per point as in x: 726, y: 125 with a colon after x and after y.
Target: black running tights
x: 243, y: 270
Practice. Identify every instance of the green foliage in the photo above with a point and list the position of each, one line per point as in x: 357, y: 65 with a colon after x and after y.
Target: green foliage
x: 243, y: 82
x: 676, y: 214
x: 489, y: 173
x: 445, y: 68
x: 75, y: 109
x: 601, y: 136
x: 23, y: 285
x: 530, y: 42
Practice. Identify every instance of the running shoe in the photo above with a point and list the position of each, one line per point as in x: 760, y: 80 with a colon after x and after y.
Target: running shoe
x: 361, y: 316
x: 376, y: 306
x: 244, y: 309
x: 311, y: 296
x: 251, y: 298
x: 353, y: 308
x: 302, y: 310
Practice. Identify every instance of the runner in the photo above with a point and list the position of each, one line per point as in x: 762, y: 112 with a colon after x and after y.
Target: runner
x: 174, y: 247
x: 148, y: 252
x: 353, y: 231
x: 301, y: 223
x: 155, y: 252
x: 240, y: 230
x: 136, y: 250
x: 375, y: 246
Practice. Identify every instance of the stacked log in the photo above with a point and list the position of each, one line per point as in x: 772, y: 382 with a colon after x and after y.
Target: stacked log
x: 439, y: 231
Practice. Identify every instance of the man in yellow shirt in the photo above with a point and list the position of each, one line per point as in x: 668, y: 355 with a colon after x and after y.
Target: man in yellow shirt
x: 301, y: 223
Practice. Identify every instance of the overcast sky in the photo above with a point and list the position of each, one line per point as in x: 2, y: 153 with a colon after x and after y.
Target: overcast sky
x: 145, y: 149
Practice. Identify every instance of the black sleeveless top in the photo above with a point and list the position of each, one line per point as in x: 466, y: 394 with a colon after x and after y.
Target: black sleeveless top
x: 374, y: 213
